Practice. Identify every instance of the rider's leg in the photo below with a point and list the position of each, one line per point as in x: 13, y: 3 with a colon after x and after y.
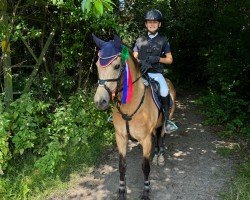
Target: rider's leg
x: 165, y: 97
x: 169, y: 126
x: 165, y: 110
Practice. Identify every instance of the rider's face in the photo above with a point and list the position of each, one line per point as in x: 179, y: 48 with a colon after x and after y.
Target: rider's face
x: 152, y: 25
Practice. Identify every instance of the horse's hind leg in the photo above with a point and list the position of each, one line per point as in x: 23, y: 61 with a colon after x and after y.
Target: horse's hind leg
x: 156, y: 139
x: 154, y: 150
x: 161, y: 158
x: 121, y: 142
x: 146, y: 145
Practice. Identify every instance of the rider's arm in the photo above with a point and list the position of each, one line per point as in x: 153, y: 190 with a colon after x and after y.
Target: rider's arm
x: 136, y: 50
x: 168, y: 59
x: 135, y: 54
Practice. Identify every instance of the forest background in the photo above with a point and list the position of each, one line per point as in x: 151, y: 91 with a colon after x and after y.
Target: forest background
x: 49, y: 127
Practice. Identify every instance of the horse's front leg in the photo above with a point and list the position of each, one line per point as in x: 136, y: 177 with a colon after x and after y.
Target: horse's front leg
x: 121, y: 142
x: 146, y: 145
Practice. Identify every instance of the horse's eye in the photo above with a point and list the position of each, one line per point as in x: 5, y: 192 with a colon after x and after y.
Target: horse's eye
x: 117, y: 67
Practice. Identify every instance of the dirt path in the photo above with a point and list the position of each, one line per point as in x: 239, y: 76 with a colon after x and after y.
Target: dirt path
x: 193, y: 170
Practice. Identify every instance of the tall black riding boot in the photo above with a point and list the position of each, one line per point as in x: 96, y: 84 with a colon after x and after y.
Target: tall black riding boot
x: 165, y: 110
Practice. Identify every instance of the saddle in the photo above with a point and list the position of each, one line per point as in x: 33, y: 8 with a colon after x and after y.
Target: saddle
x: 155, y: 91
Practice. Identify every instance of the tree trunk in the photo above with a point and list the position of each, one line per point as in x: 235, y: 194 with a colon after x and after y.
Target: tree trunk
x: 6, y: 59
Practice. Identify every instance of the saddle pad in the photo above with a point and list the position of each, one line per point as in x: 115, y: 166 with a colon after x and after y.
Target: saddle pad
x: 156, y: 97
x: 155, y: 92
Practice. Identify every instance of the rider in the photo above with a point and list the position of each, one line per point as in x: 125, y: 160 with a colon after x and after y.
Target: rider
x: 153, y: 52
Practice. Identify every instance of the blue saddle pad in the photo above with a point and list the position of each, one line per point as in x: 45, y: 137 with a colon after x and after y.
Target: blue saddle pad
x: 155, y: 91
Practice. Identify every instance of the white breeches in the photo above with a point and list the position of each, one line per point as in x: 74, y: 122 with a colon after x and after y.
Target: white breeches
x: 161, y: 80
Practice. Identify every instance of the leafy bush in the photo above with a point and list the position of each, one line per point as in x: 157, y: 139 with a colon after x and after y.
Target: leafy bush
x: 28, y: 117
x: 72, y: 125
x: 4, y: 140
x: 39, y: 138
x: 228, y: 110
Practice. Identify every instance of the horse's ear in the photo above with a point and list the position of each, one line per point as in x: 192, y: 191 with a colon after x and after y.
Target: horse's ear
x: 117, y: 41
x: 98, y: 41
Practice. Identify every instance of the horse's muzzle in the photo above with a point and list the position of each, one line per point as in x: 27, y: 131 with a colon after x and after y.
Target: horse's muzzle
x: 101, y: 98
x: 102, y: 104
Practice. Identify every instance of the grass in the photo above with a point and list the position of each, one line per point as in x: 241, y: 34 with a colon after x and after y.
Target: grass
x: 228, y: 149
x: 22, y: 182
x: 231, y: 123
x: 240, y: 185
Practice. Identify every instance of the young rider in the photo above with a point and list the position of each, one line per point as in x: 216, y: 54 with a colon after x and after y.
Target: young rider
x: 153, y: 52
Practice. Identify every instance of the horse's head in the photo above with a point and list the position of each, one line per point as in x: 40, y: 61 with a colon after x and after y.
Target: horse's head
x: 109, y: 70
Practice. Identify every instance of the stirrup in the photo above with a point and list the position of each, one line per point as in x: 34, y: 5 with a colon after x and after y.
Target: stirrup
x: 170, y: 127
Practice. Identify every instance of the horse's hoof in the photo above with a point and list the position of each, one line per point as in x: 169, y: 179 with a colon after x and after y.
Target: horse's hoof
x: 145, y: 195
x: 121, y: 195
x: 145, y: 198
x: 155, y: 160
x: 161, y: 160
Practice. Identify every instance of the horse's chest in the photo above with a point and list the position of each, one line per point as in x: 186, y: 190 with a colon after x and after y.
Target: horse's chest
x: 138, y: 127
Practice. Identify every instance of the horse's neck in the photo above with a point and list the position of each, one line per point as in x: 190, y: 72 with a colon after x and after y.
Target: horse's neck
x: 138, y: 86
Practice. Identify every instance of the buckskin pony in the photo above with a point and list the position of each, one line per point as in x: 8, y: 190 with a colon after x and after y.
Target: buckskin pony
x: 135, y: 114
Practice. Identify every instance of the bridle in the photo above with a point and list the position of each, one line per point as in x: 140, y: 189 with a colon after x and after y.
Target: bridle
x: 101, y: 82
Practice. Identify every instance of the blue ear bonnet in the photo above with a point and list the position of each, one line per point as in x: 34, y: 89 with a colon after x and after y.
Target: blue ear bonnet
x: 108, y: 50
x: 108, y: 53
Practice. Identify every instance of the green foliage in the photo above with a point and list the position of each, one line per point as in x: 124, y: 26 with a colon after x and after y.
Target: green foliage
x: 71, y: 126
x: 27, y: 118
x: 225, y: 151
x: 67, y: 62
x: 4, y: 140
x: 240, y: 186
x: 227, y: 66
x: 226, y: 109
x: 97, y: 6
x: 41, y: 138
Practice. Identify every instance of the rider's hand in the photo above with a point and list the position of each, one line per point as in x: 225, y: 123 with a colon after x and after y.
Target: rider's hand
x: 144, y: 65
x: 153, y: 59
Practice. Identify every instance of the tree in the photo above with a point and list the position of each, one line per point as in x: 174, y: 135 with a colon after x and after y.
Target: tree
x: 5, y: 29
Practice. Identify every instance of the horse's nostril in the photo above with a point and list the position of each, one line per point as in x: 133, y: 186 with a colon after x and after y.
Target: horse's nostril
x: 101, y: 104
x: 104, y: 102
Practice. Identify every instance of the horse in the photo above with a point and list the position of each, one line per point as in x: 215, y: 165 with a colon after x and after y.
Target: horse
x: 138, y: 117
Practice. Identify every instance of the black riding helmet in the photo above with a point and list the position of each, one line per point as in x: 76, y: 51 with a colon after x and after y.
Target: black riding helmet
x: 153, y: 15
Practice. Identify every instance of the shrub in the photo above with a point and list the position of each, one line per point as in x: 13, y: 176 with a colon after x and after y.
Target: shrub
x: 4, y: 139
x: 226, y: 109
x: 49, y: 131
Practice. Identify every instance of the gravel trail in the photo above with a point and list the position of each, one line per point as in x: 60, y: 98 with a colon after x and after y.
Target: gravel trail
x: 193, y: 170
